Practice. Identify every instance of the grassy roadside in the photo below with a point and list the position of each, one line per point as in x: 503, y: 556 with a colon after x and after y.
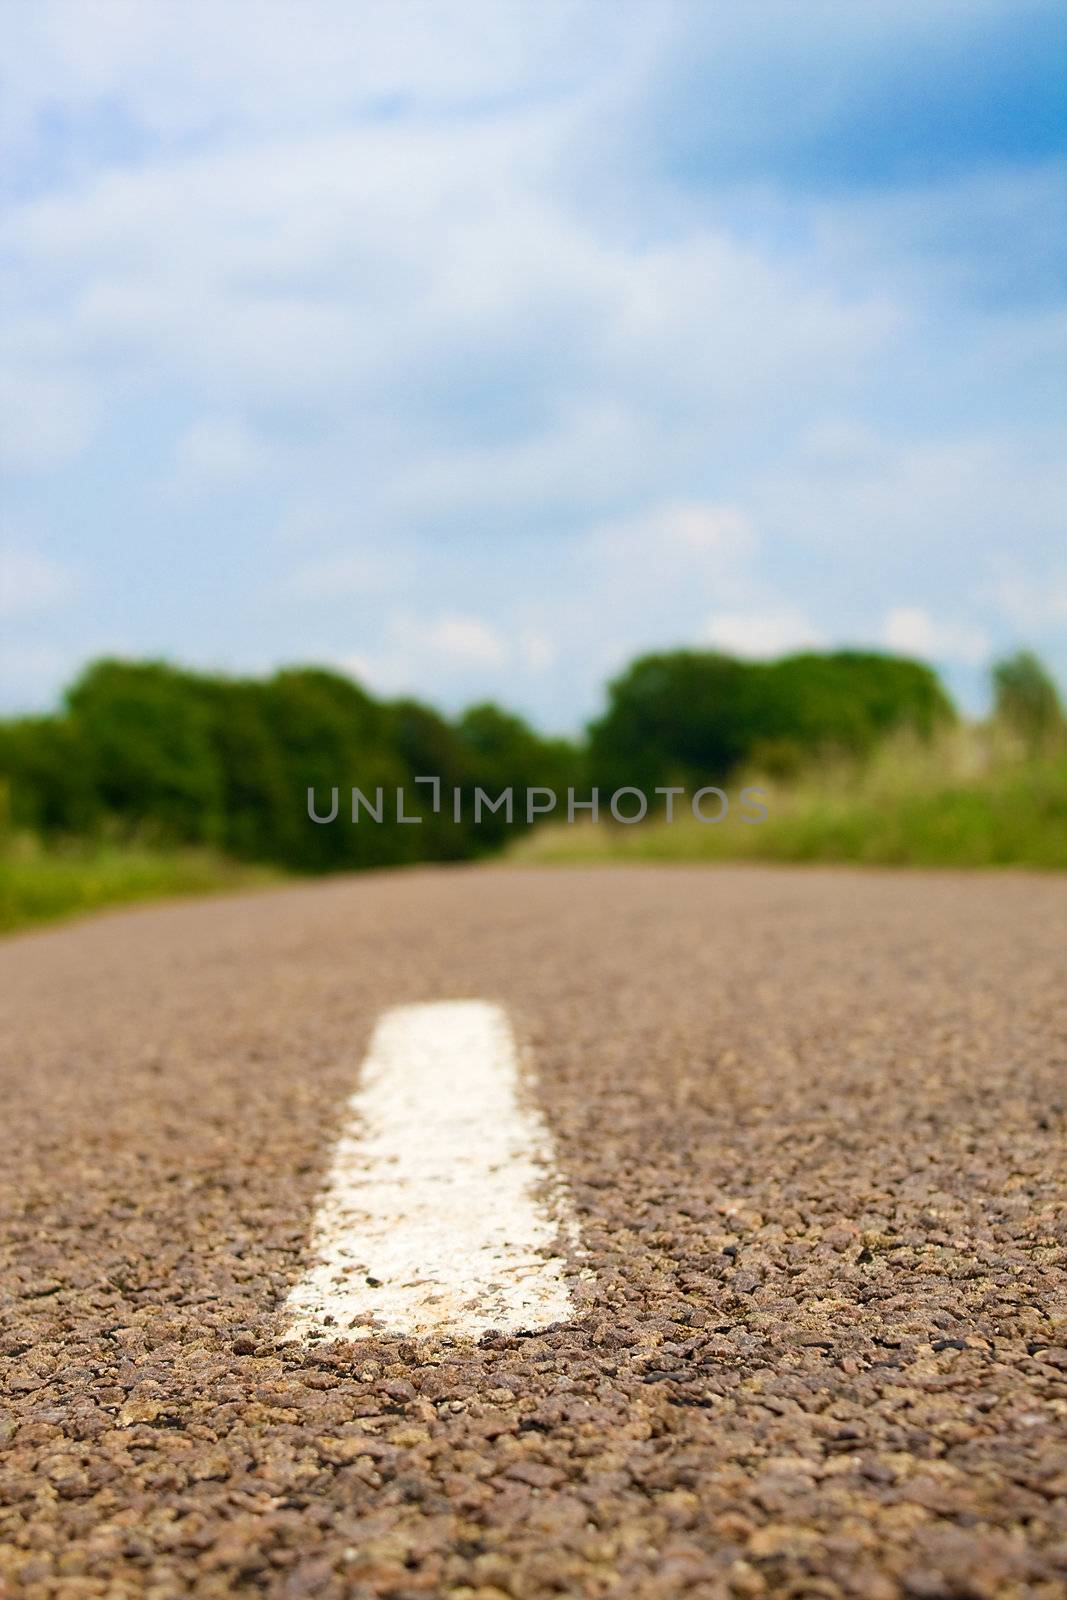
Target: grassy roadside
x: 964, y: 802
x: 39, y: 884
x: 958, y: 804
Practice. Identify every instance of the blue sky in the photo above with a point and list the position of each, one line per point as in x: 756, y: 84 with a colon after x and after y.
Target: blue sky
x: 475, y: 348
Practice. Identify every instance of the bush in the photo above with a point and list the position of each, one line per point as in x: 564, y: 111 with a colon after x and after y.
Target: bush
x: 156, y: 756
x: 1025, y: 701
x: 691, y: 717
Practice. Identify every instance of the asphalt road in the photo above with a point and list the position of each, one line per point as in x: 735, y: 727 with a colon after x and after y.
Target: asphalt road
x: 811, y: 1123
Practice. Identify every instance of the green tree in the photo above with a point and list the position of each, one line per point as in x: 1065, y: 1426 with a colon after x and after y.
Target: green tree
x: 48, y: 776
x: 430, y: 747
x: 261, y: 820
x: 846, y: 700
x: 694, y: 717
x: 329, y: 733
x: 147, y: 729
x: 671, y: 718
x: 1026, y: 701
x: 504, y: 752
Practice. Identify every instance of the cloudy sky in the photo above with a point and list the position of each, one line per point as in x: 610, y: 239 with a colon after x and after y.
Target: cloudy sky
x: 475, y: 347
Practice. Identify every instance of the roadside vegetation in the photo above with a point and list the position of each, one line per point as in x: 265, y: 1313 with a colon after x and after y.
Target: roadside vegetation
x: 923, y: 789
x: 39, y: 882
x: 146, y: 751
x: 968, y: 798
x: 152, y: 780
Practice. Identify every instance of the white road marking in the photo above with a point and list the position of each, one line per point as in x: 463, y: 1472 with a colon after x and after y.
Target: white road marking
x: 442, y: 1207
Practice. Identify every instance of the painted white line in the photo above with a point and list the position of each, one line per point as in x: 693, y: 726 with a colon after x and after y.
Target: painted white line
x: 442, y: 1206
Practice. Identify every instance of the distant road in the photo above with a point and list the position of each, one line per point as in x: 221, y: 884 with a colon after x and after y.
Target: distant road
x: 768, y: 1202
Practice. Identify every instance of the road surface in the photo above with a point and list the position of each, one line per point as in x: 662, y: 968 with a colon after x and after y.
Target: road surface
x: 805, y: 1131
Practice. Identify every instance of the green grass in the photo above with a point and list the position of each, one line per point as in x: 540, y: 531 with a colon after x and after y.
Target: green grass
x: 40, y: 884
x: 961, y: 803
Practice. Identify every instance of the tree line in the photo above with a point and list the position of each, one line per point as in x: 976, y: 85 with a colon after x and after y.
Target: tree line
x: 148, y: 750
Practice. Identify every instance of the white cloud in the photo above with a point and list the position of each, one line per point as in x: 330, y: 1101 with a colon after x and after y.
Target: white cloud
x: 450, y: 653
x: 913, y: 631
x: 671, y: 558
x: 366, y: 272
x: 440, y: 283
x: 343, y: 577
x: 703, y: 528
x: 218, y: 453
x: 464, y: 642
x: 842, y: 489
x: 756, y: 635
x: 1029, y: 605
x: 693, y: 540
x: 536, y: 650
x: 663, y: 567
x: 30, y: 582
x: 200, y: 67
x: 694, y: 532
x: 46, y: 418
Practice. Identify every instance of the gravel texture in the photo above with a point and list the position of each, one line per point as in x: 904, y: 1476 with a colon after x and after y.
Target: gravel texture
x: 812, y: 1123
